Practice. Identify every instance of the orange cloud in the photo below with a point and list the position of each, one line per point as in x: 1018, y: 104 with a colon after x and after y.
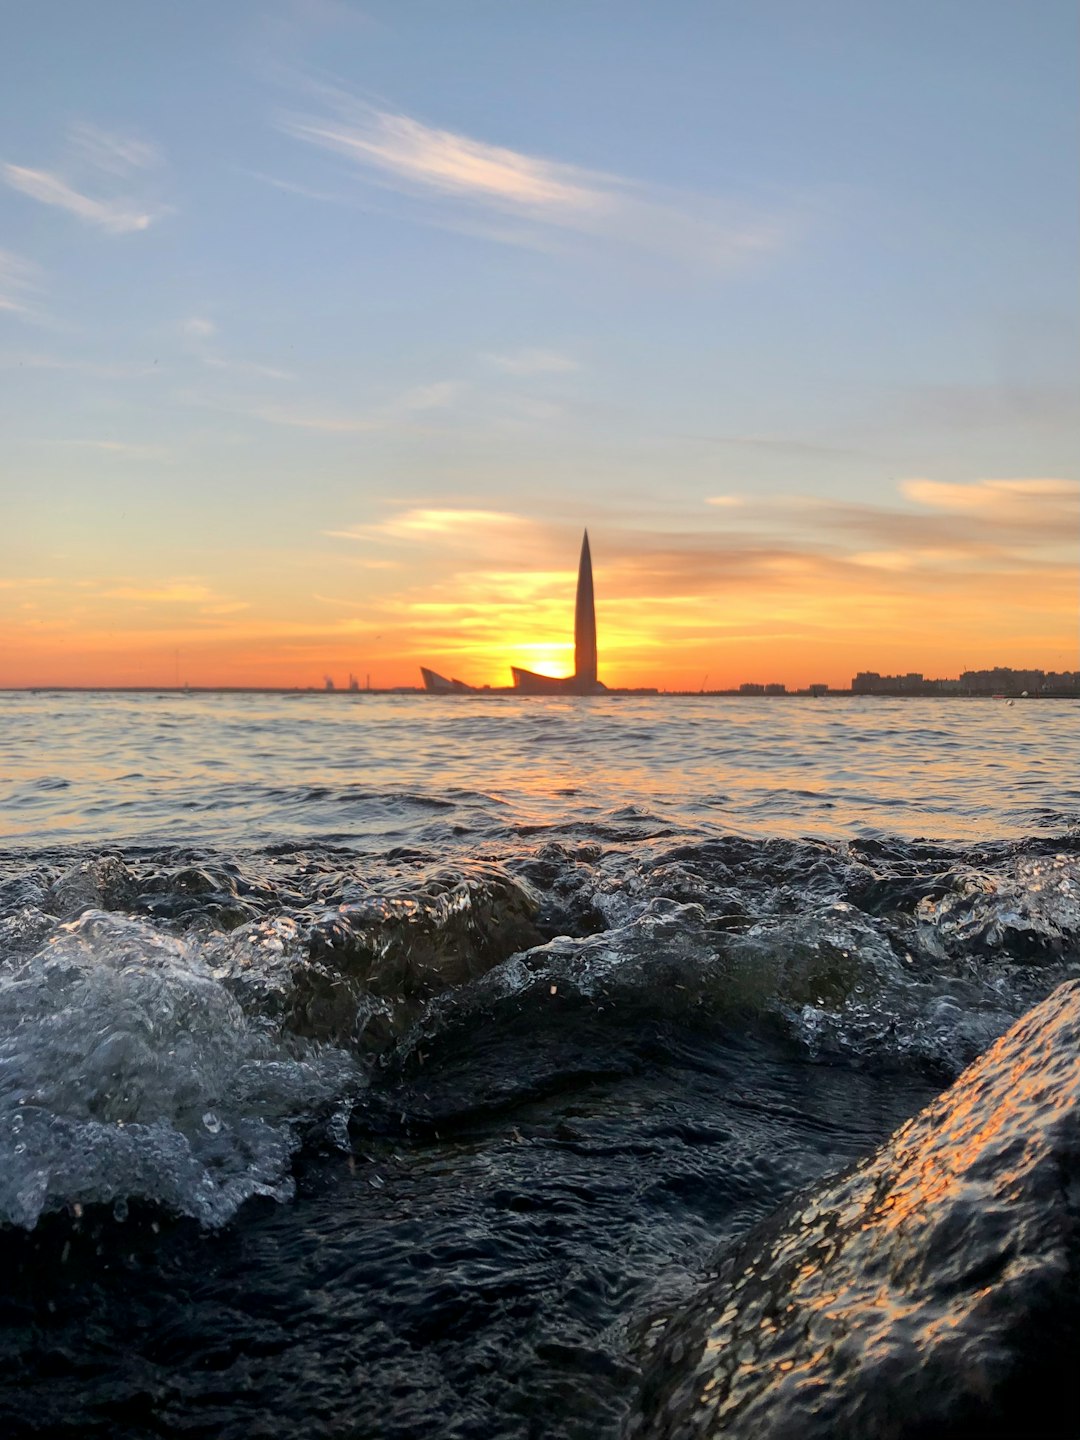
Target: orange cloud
x: 798, y: 591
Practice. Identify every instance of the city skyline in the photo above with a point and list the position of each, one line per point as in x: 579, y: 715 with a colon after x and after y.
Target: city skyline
x: 318, y: 352
x: 995, y: 682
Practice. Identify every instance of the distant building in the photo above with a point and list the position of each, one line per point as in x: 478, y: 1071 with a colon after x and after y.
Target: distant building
x: 818, y: 689
x: 869, y: 682
x: 1001, y: 680
x: 751, y: 689
x: 775, y: 688
x: 440, y: 685
x: 583, y: 681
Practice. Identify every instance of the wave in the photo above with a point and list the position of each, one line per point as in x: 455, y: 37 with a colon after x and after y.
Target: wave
x: 173, y: 1023
x: 128, y: 1071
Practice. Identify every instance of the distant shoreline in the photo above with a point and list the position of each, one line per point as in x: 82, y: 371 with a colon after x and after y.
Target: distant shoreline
x: 502, y: 693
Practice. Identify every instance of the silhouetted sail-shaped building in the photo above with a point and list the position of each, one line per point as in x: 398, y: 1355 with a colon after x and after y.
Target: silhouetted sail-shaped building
x: 582, y: 682
x: 440, y: 685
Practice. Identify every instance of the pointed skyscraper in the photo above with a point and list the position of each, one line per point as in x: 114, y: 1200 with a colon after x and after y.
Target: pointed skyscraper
x: 583, y: 681
x: 585, y: 622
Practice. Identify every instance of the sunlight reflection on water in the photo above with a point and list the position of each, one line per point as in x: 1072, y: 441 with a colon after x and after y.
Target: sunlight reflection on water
x: 260, y: 767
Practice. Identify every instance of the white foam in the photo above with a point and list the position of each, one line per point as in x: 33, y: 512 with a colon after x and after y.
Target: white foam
x: 128, y: 1070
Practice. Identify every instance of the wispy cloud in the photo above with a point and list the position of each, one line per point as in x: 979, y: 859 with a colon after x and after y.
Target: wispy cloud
x: 439, y: 395
x: 294, y: 187
x: 191, y: 595
x: 19, y: 283
x: 225, y: 607
x: 184, y: 592
x: 246, y: 367
x: 107, y: 165
x: 1012, y: 500
x: 128, y: 449
x: 475, y: 177
x: 99, y: 370
x: 991, y: 406
x: 200, y: 330
x: 445, y: 525
x: 435, y: 396
x: 534, y: 362
x: 792, y: 554
x: 780, y: 444
x: 116, y: 154
x: 950, y: 533
x: 114, y: 216
x: 404, y: 149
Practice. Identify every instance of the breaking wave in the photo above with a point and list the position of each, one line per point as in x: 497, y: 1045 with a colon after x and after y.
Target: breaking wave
x: 172, y: 1025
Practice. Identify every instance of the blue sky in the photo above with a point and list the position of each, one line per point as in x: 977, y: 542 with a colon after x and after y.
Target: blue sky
x: 279, y: 283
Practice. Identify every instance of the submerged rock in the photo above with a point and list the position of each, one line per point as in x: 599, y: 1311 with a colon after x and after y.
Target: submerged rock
x: 361, y: 972
x: 931, y: 1291
x: 104, y: 883
x: 401, y: 949
x: 453, y: 926
x: 1030, y: 912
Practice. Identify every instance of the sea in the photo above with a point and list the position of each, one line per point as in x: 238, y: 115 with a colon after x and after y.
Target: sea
x: 379, y: 1065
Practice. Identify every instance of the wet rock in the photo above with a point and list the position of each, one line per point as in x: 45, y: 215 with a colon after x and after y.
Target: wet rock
x: 663, y: 967
x: 197, y: 898
x: 899, y: 891
x: 824, y: 958
x: 256, y: 964
x: 363, y: 971
x: 104, y: 883
x: 25, y: 919
x: 450, y: 928
x: 22, y: 932
x: 23, y: 892
x: 931, y: 1291
x: 1031, y: 913
x: 565, y: 879
x: 192, y: 880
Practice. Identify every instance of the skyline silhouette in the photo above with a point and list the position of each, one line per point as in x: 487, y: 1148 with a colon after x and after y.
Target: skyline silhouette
x: 583, y: 681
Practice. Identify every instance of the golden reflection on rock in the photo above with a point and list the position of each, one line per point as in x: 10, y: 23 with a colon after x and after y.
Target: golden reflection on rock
x: 909, y: 1294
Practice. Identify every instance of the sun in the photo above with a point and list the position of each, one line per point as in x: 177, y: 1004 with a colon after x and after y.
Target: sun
x: 544, y: 659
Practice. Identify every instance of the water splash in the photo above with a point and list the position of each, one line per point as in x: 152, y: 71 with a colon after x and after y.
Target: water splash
x: 116, y: 1044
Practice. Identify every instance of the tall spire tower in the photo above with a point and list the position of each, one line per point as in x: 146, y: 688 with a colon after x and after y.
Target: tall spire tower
x: 584, y: 679
x: 585, y: 622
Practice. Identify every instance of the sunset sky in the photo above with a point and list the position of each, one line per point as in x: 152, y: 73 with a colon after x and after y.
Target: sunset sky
x: 325, y: 329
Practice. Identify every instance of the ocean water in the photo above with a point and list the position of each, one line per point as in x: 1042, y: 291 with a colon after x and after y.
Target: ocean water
x: 377, y: 1065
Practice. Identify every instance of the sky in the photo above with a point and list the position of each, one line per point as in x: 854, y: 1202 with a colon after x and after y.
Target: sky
x: 326, y: 328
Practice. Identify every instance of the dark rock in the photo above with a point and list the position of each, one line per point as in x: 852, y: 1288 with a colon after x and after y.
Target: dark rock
x: 371, y: 965
x: 932, y: 1291
x: 199, y: 899
x: 22, y: 933
x: 566, y: 880
x: 104, y: 883
x: 1031, y: 912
